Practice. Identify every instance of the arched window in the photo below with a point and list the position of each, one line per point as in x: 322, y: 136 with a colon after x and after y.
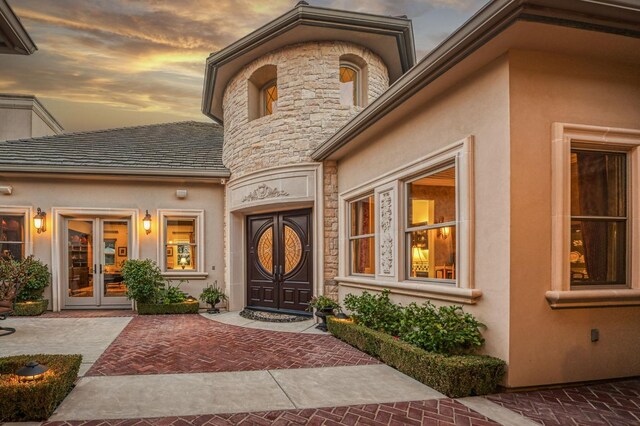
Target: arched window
x: 269, y: 98
x: 349, y: 84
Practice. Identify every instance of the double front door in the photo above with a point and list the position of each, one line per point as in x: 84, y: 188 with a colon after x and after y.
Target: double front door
x: 280, y: 261
x: 95, y: 249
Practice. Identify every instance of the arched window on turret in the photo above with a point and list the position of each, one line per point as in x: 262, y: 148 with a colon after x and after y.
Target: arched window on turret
x: 353, y: 81
x: 262, y: 88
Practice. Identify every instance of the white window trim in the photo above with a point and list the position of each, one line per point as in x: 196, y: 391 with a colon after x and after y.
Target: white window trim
x: 561, y: 295
x: 350, y: 237
x: 464, y: 291
x: 200, y: 272
x: 27, y: 213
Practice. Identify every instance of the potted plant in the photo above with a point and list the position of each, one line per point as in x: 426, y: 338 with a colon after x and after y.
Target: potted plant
x: 324, y: 307
x: 212, y: 295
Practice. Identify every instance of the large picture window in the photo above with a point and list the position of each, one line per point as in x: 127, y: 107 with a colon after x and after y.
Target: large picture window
x: 598, y: 218
x: 12, y: 236
x: 431, y: 225
x: 362, y: 236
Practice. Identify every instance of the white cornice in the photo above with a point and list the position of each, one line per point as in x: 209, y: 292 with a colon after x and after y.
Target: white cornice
x: 30, y: 102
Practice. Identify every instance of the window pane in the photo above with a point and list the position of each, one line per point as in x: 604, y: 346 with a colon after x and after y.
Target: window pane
x: 363, y: 256
x: 598, y: 252
x: 433, y: 253
x: 432, y: 199
x: 348, y: 86
x: 270, y: 97
x: 181, y: 244
x: 12, y: 228
x: 12, y: 250
x: 598, y: 183
x: 362, y: 222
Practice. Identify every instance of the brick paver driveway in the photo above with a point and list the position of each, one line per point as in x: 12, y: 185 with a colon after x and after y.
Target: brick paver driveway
x: 165, y: 344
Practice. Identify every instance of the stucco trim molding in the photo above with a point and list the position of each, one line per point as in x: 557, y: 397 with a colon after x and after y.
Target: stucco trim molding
x: 467, y: 296
x: 264, y: 191
x: 564, y: 137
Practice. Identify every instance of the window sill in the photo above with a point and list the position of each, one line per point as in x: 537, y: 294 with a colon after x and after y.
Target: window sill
x: 593, y: 298
x: 443, y: 292
x: 186, y: 275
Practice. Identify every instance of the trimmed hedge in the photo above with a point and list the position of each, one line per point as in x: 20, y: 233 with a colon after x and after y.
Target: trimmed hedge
x: 35, y: 400
x: 187, y: 307
x: 31, y: 308
x: 455, y: 375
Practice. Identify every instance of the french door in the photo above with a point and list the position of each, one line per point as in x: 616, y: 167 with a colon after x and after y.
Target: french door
x: 95, y: 249
x: 280, y: 261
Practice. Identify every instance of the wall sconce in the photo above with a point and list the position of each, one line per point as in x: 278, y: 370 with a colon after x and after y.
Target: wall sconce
x: 40, y: 220
x: 146, y: 223
x: 31, y: 371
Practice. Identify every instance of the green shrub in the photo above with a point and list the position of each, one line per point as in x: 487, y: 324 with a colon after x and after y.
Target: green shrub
x: 35, y: 400
x: 171, y: 294
x: 375, y: 311
x: 30, y: 308
x: 37, y: 281
x: 446, y: 330
x: 144, y: 280
x: 13, y: 275
x: 189, y: 306
x: 455, y: 376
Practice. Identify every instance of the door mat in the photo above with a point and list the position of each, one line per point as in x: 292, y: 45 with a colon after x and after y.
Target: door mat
x: 271, y: 316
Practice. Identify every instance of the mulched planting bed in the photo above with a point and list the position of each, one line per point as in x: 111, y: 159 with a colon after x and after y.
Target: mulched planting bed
x: 432, y: 412
x: 271, y: 316
x: 164, y: 344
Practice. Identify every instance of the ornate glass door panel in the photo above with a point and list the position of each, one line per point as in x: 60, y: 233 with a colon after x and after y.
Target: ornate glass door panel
x: 279, y: 248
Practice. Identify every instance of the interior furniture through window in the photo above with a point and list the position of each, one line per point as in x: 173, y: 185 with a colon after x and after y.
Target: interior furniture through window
x: 12, y: 236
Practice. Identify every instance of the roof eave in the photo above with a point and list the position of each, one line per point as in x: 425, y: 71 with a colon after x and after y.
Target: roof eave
x: 113, y: 171
x: 10, y: 24
x: 304, y: 14
x: 491, y: 20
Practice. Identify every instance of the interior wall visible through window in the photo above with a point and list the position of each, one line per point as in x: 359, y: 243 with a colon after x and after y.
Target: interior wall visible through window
x: 12, y: 236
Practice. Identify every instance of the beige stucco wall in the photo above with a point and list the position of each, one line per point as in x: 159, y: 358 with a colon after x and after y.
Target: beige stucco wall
x: 549, y: 346
x: 15, y: 123
x: 478, y: 106
x: 48, y: 192
x: 308, y: 112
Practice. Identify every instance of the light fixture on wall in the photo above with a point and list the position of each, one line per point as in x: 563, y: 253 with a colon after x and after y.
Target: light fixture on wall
x: 146, y: 223
x: 40, y: 220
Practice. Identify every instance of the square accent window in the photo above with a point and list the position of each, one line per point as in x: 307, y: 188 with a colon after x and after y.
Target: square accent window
x: 182, y: 242
x: 12, y: 236
x: 431, y: 225
x: 598, y: 218
x: 362, y: 236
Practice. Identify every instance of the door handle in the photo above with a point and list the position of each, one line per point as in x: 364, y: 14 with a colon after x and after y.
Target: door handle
x: 95, y: 268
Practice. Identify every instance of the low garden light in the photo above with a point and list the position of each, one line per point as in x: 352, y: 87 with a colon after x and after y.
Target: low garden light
x: 31, y: 371
x: 146, y: 223
x: 39, y: 221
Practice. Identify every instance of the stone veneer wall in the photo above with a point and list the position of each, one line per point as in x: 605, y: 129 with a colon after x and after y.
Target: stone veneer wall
x: 309, y: 112
x: 309, y: 109
x: 330, y: 215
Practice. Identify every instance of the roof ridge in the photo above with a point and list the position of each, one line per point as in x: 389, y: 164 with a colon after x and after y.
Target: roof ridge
x: 87, y: 132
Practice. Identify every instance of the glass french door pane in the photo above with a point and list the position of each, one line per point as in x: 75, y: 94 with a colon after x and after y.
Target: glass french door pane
x: 598, y: 252
x: 80, y: 258
x: 115, y: 252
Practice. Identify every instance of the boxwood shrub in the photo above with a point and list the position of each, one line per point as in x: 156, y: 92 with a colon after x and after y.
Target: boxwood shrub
x: 35, y: 400
x: 189, y: 306
x: 31, y: 308
x: 453, y: 375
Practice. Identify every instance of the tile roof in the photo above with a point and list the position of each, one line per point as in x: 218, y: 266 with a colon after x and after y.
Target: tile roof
x: 185, y: 147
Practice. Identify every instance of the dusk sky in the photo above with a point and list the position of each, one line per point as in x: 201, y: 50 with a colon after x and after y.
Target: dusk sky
x: 115, y: 63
